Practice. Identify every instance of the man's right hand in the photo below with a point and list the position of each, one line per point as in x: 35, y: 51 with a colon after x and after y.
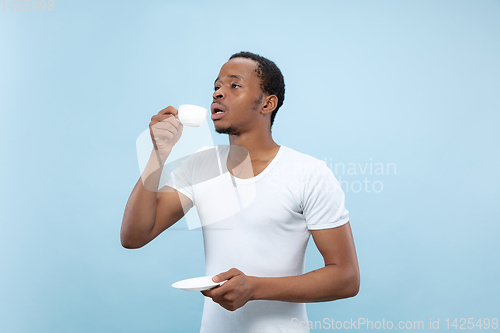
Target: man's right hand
x: 150, y: 211
x: 165, y: 130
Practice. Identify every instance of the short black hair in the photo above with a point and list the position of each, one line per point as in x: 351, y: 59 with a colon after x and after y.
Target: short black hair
x: 272, y: 81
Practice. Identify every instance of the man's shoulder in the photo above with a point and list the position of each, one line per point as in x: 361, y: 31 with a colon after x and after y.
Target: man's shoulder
x: 292, y: 155
x: 302, y: 165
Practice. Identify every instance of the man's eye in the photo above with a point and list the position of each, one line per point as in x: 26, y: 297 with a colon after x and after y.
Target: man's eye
x: 216, y: 88
x: 234, y: 85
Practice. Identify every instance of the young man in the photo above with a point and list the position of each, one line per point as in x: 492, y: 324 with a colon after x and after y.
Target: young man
x: 258, y: 249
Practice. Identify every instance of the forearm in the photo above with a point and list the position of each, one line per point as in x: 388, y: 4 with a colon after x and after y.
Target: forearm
x: 140, y: 212
x: 325, y: 284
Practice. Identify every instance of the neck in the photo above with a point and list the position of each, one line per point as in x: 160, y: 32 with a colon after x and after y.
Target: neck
x: 260, y: 144
x: 259, y: 150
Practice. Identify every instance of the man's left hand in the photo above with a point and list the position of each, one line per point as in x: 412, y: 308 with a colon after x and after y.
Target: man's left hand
x: 235, y: 292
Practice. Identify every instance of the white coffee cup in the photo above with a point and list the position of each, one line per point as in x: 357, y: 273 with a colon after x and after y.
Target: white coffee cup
x: 192, y: 115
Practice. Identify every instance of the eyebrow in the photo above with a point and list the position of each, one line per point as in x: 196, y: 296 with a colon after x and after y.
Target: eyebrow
x: 232, y: 77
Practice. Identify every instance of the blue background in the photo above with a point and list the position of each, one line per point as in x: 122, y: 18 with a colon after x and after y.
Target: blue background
x: 414, y: 83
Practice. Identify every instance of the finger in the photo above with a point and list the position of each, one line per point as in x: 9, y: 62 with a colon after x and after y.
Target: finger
x: 166, y: 119
x: 166, y: 129
x: 226, y: 275
x: 210, y: 292
x: 168, y: 125
x: 169, y: 110
x: 219, y: 292
x: 161, y: 117
x: 171, y: 119
x: 227, y: 306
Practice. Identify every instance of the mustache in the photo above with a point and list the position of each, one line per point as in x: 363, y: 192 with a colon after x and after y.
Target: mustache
x: 215, y: 101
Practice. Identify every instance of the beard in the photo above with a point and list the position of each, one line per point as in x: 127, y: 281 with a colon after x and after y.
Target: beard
x: 231, y: 130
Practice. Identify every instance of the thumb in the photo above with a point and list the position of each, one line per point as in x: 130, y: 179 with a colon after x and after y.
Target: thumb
x: 226, y: 275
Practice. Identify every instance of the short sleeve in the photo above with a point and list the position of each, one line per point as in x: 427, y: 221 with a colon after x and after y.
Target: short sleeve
x: 323, y: 201
x: 179, y: 178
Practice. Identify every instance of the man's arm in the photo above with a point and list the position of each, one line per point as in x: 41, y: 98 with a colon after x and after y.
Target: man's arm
x: 148, y: 211
x: 338, y: 279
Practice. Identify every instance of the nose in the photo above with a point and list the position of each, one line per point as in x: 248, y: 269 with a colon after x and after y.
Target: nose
x: 218, y: 94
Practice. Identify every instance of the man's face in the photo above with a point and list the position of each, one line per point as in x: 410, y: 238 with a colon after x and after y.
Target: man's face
x: 237, y: 97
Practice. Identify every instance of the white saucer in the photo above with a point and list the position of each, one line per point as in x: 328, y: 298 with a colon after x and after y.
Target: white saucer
x: 196, y: 284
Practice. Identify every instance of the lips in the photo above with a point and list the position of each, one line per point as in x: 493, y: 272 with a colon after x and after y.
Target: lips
x: 218, y: 111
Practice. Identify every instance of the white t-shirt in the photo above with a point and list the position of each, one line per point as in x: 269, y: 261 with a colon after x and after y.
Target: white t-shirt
x: 260, y: 226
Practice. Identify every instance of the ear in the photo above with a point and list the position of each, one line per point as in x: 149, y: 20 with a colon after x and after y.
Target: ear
x: 270, y: 103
